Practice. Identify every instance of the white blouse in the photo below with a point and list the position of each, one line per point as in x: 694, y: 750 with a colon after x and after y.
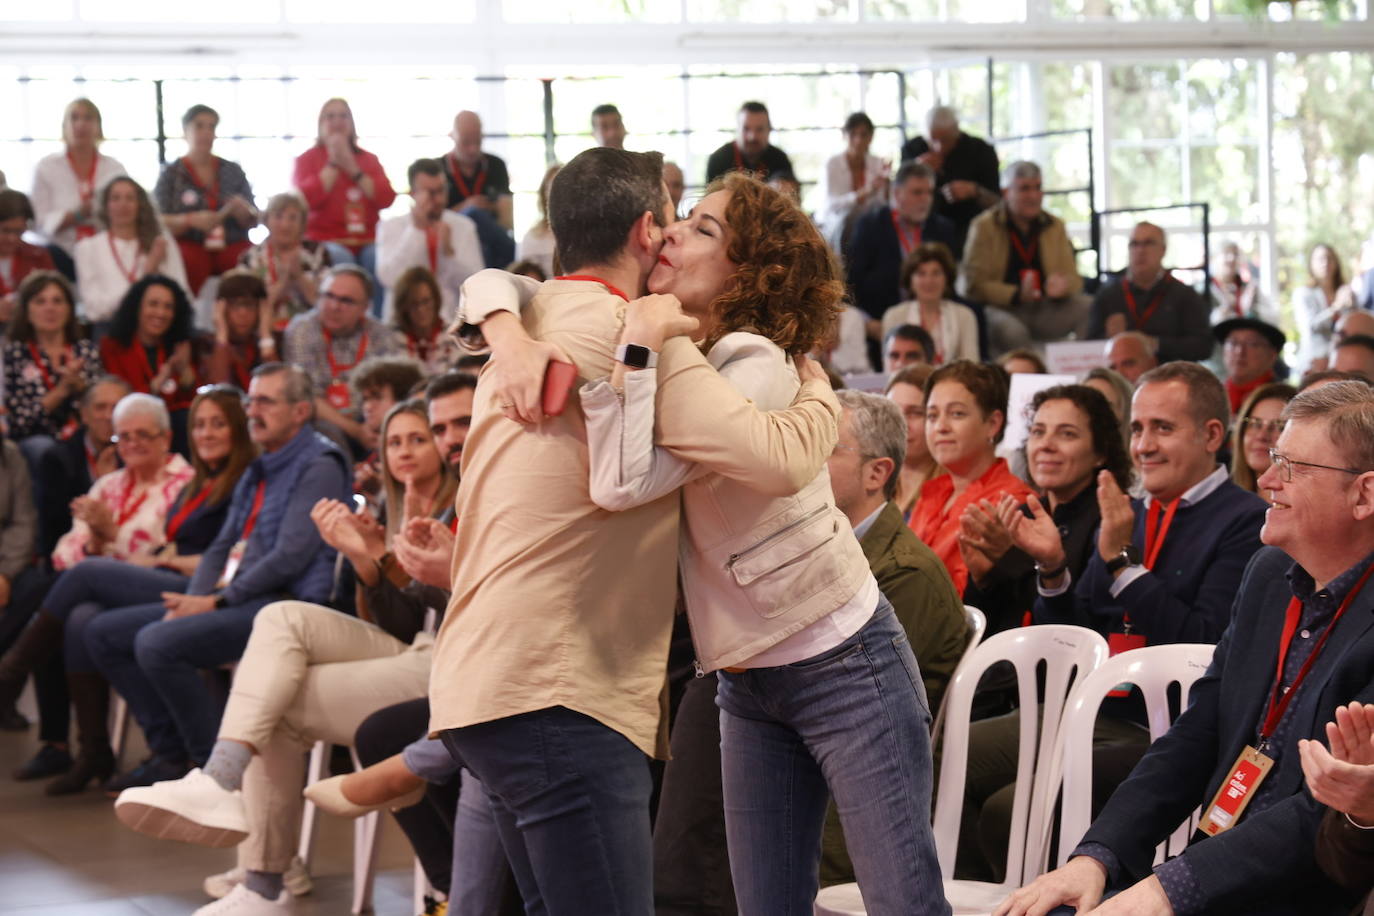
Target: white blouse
x: 102, y: 281
x: 402, y: 245
x: 957, y: 336
x: 538, y: 247
x: 56, y: 193
x: 838, y: 187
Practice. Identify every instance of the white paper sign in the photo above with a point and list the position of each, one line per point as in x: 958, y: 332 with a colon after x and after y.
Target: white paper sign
x: 1024, y: 386
x: 1075, y: 357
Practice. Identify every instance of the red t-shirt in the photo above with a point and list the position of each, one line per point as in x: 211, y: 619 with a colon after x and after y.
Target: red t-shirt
x: 938, y: 527
x: 343, y: 213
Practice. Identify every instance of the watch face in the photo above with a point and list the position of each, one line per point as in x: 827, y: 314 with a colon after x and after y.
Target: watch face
x: 636, y: 356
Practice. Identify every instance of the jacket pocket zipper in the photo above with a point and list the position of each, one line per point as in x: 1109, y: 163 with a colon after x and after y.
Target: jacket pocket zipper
x: 790, y: 526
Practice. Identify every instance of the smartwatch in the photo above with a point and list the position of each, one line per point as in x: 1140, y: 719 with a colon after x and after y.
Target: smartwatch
x: 636, y: 356
x: 1128, y: 556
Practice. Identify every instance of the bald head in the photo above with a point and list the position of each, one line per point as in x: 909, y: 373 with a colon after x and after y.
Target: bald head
x: 1352, y: 323
x: 467, y: 138
x: 1130, y: 354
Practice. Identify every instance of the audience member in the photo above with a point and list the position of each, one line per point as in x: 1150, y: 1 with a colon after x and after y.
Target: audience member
x: 1319, y: 529
x: 479, y: 188
x: 1254, y: 432
x: 1118, y: 391
x: 131, y: 245
x: 1350, y: 323
x: 885, y: 237
x: 429, y: 236
x: 538, y: 245
x: 751, y: 150
x: 854, y: 180
x: 1022, y: 360
x: 206, y: 202
x: 345, y: 188
x: 1343, y: 780
x: 526, y: 269
x: 68, y: 471
x: 906, y: 345
x: 1355, y: 354
x: 379, y: 384
x: 907, y: 389
x: 149, y: 346
x: 47, y: 366
x: 1146, y: 299
x: 677, y: 184
x: 17, y: 257
x: 1249, y: 351
x: 1326, y: 376
x: 849, y: 343
x: 1018, y: 260
x: 267, y: 548
x: 244, y: 338
x: 417, y: 320
x: 928, y: 273
x: 20, y: 580
x: 329, y: 341
x: 1235, y: 292
x: 966, y: 407
x: 1132, y: 354
x: 1319, y: 302
x: 65, y: 184
x: 607, y: 127
x: 966, y: 169
x: 221, y: 452
x: 310, y: 673
x: 289, y: 263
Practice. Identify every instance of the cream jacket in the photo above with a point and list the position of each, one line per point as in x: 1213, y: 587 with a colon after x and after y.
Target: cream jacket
x: 756, y: 568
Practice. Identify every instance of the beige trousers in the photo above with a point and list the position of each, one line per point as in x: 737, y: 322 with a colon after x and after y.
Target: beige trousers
x: 308, y: 674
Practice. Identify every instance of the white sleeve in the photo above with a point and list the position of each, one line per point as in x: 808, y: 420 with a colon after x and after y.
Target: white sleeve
x: 399, y: 245
x: 627, y: 469
x: 494, y: 290
x: 967, y: 335
x: 467, y: 252
x: 45, y: 201
x: 98, y: 281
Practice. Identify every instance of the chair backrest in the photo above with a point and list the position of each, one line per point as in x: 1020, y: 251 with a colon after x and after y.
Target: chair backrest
x: 1067, y: 653
x: 977, y: 624
x: 1152, y: 669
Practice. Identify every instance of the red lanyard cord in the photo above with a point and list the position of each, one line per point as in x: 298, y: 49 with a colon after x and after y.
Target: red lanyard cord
x: 592, y: 279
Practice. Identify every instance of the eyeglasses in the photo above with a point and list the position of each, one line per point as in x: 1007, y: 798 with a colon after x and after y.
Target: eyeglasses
x: 1273, y: 427
x: 1285, y: 465
x: 140, y: 436
x: 342, y: 300
x: 261, y: 401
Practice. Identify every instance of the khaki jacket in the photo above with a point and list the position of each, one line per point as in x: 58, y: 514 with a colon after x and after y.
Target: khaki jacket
x: 988, y: 247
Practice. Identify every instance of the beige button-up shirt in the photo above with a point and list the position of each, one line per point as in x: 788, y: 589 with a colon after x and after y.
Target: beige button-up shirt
x: 557, y: 602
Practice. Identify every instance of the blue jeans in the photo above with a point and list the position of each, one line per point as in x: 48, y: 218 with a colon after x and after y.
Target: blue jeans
x: 498, y: 248
x: 155, y: 663
x: 571, y: 801
x: 853, y: 720
x: 367, y: 260
x: 98, y: 584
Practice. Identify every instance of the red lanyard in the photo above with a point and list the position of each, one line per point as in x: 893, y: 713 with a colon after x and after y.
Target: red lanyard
x: 271, y: 266
x: 211, y: 194
x: 1279, y: 699
x: 130, y: 275
x: 152, y: 369
x: 253, y: 515
x: 462, y: 183
x: 127, y: 511
x: 91, y: 457
x: 1027, y: 255
x: 85, y: 187
x: 1137, y: 320
x: 594, y: 280
x: 175, y: 523
x: 422, y: 349
x: 432, y: 247
x: 38, y: 361
x: 908, y: 245
x: 1155, y: 533
x: 453, y: 525
x: 5, y: 288
x: 243, y: 370
x: 334, y: 368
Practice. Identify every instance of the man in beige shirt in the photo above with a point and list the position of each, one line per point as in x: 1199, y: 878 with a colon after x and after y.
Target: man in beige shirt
x: 549, y: 668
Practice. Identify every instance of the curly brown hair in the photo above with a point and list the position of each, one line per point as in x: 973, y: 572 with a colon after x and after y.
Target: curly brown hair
x: 787, y: 283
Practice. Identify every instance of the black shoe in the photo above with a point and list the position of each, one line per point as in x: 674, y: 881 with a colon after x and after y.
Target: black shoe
x: 154, y: 769
x: 11, y: 720
x: 93, y: 767
x: 49, y: 761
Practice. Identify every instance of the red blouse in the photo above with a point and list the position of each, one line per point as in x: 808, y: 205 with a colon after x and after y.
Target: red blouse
x: 131, y: 364
x: 333, y: 212
x: 938, y: 526
x: 26, y: 260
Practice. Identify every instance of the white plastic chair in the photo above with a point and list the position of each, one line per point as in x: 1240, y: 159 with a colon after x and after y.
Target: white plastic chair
x: 1153, y: 669
x: 977, y: 624
x: 1068, y: 653
x: 364, y: 831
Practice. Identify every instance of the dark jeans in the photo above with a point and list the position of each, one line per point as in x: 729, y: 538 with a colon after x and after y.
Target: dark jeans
x: 96, y: 585
x: 571, y: 801
x: 49, y: 679
x: 154, y: 664
x: 498, y: 248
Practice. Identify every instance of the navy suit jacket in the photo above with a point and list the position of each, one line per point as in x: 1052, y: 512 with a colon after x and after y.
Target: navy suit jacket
x: 875, y: 258
x: 1266, y: 863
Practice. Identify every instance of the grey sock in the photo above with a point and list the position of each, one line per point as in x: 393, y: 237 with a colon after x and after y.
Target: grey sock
x: 228, y: 760
x: 264, y: 883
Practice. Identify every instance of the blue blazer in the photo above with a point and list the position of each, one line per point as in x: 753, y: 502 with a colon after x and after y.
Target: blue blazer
x: 875, y: 258
x: 1265, y: 864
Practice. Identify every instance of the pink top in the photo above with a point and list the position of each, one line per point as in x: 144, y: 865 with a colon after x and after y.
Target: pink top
x: 144, y: 529
x: 343, y: 213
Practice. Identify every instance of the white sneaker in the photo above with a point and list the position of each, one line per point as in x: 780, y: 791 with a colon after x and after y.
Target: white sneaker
x: 193, y: 809
x: 296, y: 879
x: 243, y: 902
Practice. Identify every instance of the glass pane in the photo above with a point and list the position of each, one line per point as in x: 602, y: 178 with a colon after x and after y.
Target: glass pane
x: 343, y: 11
x: 1284, y: 12
x: 48, y: 11
x: 1144, y: 101
x: 172, y: 11
x: 768, y: 10
x: 1129, y: 9
x: 1146, y: 176
x: 1068, y: 91
x: 1223, y: 100
x: 586, y: 11
x: 1227, y: 177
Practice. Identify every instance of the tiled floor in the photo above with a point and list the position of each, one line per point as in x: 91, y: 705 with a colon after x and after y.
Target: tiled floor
x: 69, y: 856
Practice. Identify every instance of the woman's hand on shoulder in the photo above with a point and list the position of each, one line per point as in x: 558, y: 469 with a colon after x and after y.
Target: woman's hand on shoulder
x: 810, y: 370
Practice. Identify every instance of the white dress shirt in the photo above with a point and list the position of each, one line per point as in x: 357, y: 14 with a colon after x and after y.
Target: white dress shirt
x: 55, y: 193
x: 838, y: 188
x: 401, y: 246
x: 102, y: 283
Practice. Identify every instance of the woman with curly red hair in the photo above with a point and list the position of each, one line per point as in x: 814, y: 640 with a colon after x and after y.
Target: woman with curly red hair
x: 818, y: 688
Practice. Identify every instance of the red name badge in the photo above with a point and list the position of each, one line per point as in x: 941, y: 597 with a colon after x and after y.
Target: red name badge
x: 338, y: 395
x: 1235, y: 793
x: 355, y: 218
x: 1030, y: 277
x: 214, y: 239
x: 1116, y: 644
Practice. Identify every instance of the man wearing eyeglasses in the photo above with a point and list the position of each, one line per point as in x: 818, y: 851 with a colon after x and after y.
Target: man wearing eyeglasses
x: 1300, y: 643
x: 1250, y: 351
x: 330, y: 340
x: 1147, y: 299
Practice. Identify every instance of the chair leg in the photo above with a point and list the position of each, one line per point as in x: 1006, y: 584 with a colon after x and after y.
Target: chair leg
x: 365, y: 835
x: 423, y: 888
x: 319, y: 759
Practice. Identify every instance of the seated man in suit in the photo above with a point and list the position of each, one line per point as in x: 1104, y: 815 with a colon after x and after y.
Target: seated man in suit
x: 69, y: 470
x: 1300, y: 643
